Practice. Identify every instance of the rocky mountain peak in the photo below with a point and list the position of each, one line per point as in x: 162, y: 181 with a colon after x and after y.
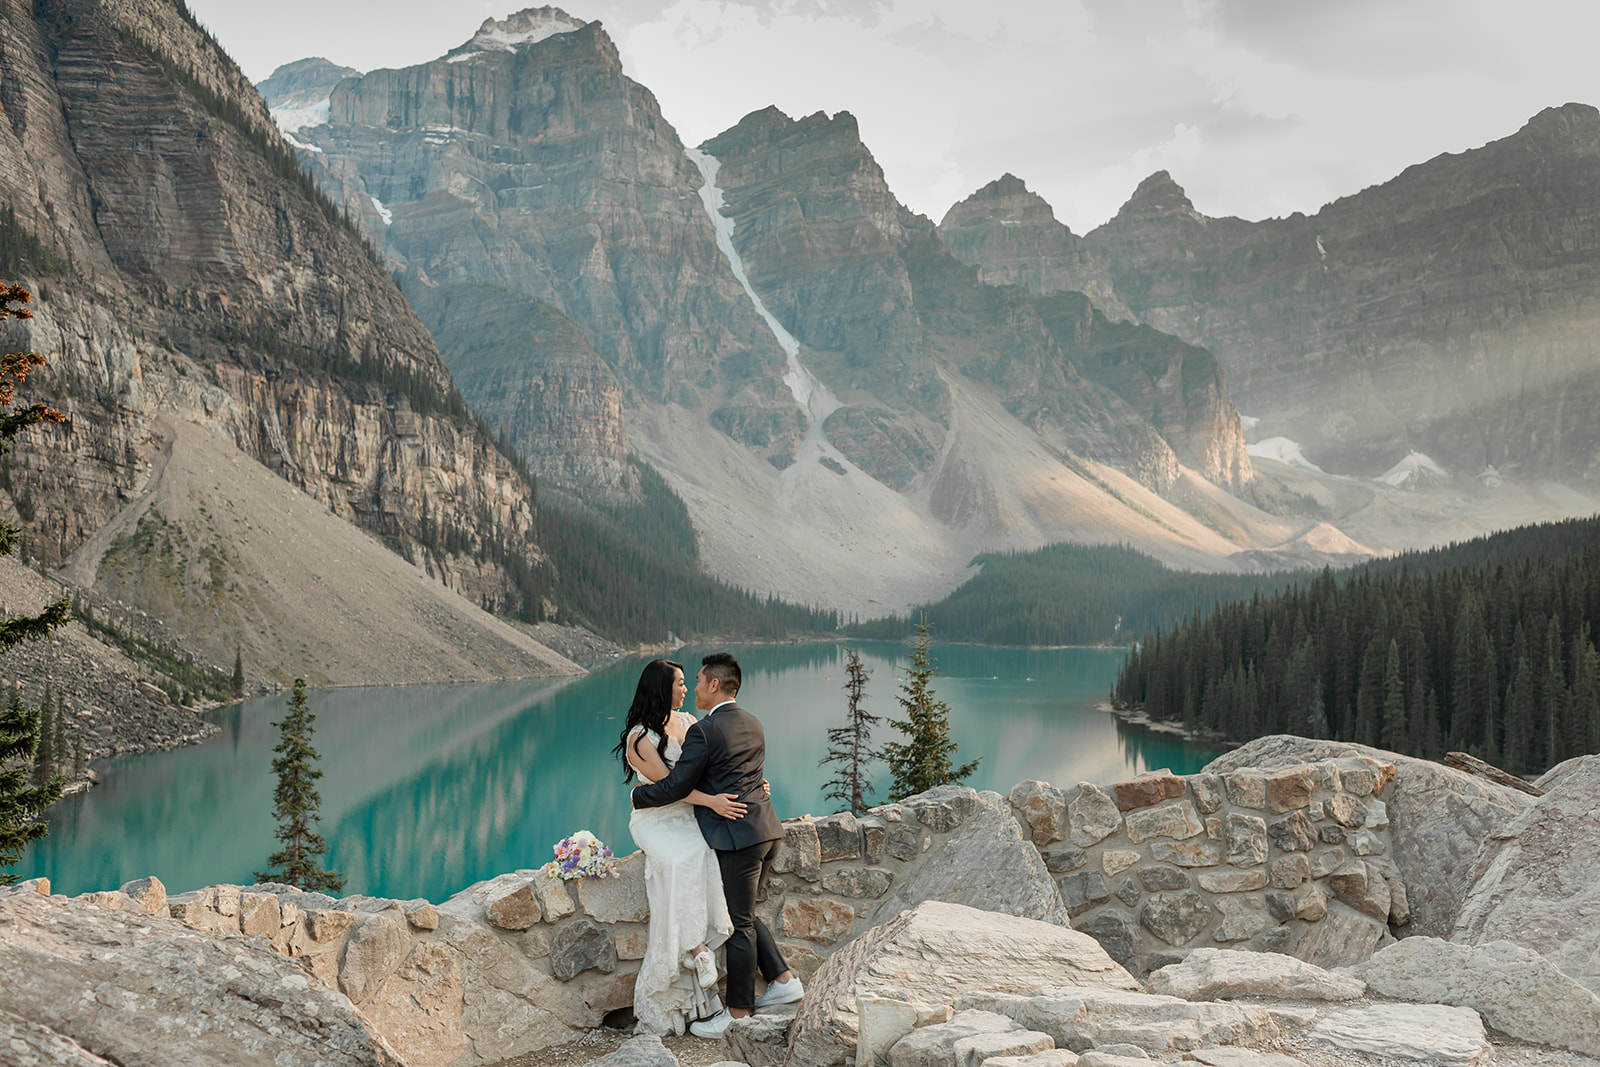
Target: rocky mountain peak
x: 1008, y: 200
x: 528, y: 26
x: 303, y: 82
x: 1157, y: 196
x: 1564, y: 126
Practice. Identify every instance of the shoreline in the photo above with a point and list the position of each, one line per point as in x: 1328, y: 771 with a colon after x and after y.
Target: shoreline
x: 1134, y: 717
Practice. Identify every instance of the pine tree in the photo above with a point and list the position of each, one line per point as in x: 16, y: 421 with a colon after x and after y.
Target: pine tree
x: 21, y: 803
x: 78, y: 762
x: 295, y: 802
x: 238, y: 671
x: 922, y: 761
x: 1394, y: 701
x: 44, y: 753
x: 850, y: 746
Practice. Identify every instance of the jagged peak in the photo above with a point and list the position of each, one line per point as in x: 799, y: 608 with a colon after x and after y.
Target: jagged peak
x: 518, y: 30
x: 1007, y: 199
x: 769, y: 125
x: 1559, y: 122
x: 1158, y: 195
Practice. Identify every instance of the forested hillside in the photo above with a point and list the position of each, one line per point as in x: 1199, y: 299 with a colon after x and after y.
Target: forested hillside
x: 1486, y: 647
x: 1070, y: 595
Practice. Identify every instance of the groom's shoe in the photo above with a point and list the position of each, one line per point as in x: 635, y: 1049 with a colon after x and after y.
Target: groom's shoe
x: 712, y: 1028
x: 782, y: 993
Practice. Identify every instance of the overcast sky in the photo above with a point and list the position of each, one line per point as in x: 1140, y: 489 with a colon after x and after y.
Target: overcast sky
x: 1256, y: 107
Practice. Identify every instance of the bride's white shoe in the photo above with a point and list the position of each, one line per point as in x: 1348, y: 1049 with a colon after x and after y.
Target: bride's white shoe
x: 705, y: 968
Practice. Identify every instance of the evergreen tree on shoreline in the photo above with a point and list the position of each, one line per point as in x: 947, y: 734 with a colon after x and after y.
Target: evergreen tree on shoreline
x: 295, y: 802
x: 922, y: 761
x: 21, y: 803
x: 850, y: 745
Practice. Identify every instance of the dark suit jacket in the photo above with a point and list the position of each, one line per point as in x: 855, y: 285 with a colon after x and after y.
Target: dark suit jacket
x: 722, y: 753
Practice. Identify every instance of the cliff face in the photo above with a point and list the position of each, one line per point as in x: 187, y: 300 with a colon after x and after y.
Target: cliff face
x: 526, y: 160
x: 883, y: 309
x: 847, y: 410
x: 204, y: 281
x: 1451, y: 311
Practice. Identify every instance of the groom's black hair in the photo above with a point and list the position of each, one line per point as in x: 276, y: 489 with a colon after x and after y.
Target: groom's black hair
x: 723, y: 667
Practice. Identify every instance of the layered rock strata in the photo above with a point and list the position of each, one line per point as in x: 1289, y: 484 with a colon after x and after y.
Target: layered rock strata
x: 527, y: 161
x: 1449, y: 311
x: 205, y: 282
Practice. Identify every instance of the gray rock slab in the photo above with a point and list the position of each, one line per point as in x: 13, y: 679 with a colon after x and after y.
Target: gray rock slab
x: 1435, y: 1034
x: 1540, y: 886
x: 967, y: 1040
x: 28, y: 1044
x: 760, y: 1040
x: 1438, y: 817
x: 1342, y: 938
x: 1515, y: 989
x: 1226, y: 974
x: 1080, y: 1018
x: 929, y: 956
x: 143, y: 991
x: 984, y: 863
x: 643, y: 1051
x: 1242, y: 1057
x: 1056, y: 1057
x: 1103, y: 1057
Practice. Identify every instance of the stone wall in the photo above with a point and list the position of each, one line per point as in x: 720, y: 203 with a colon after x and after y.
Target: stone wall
x: 1293, y: 860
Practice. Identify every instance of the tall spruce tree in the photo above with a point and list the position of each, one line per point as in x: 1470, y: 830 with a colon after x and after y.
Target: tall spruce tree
x: 237, y: 685
x: 295, y: 802
x: 22, y: 803
x: 850, y: 746
x: 922, y: 761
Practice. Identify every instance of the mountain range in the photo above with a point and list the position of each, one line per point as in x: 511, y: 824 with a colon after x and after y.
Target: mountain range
x: 504, y: 266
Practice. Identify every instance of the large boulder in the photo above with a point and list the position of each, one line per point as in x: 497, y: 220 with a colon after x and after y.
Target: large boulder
x: 130, y: 988
x: 1515, y: 989
x: 927, y: 957
x: 1080, y: 1018
x: 983, y: 861
x: 1225, y: 974
x: 1438, y: 818
x: 1433, y: 1034
x: 1540, y: 886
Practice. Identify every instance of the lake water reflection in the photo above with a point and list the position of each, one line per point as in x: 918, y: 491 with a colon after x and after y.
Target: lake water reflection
x: 427, y: 789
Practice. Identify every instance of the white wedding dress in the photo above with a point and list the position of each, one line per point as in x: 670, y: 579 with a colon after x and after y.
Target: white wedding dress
x: 683, y: 884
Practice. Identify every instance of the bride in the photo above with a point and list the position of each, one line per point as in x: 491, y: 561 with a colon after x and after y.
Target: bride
x: 683, y: 883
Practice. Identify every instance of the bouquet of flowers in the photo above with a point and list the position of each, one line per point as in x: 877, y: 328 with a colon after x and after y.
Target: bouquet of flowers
x: 581, y: 855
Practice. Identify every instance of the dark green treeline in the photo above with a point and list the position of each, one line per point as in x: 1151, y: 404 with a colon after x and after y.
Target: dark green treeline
x: 1069, y: 595
x: 1486, y: 647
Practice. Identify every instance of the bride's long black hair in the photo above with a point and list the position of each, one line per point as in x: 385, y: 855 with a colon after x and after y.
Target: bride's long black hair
x: 652, y: 703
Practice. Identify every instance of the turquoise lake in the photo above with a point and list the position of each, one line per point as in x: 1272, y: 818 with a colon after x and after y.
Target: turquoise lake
x: 427, y: 789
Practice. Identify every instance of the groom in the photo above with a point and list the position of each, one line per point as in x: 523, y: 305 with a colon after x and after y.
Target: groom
x: 723, y: 753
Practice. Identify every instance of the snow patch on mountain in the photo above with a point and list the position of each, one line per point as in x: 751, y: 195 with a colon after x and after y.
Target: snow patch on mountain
x: 529, y: 26
x: 384, y: 213
x: 812, y: 396
x: 1416, y: 471
x: 1284, y: 451
x: 295, y: 119
x: 1248, y: 422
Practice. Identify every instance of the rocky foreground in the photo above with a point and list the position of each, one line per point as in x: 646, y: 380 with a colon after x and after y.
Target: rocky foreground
x: 932, y: 932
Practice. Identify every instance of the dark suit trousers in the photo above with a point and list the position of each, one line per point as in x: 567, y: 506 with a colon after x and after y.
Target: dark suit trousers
x: 751, y: 944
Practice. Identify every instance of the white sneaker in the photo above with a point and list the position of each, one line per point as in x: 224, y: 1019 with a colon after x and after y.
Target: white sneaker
x: 712, y: 1028
x: 781, y: 993
x: 705, y: 967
